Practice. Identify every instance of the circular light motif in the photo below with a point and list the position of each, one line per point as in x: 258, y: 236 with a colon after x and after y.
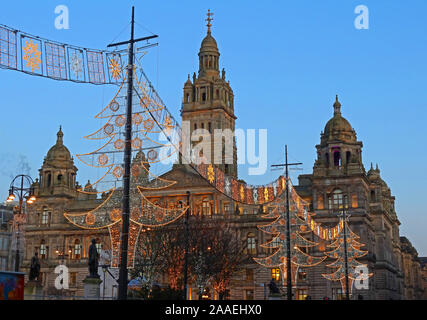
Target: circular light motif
x: 303, y: 228
x: 119, y: 144
x: 102, y: 159
x: 120, y: 121
x: 108, y: 128
x: 137, y: 119
x: 143, y: 102
x: 114, y: 106
x: 90, y: 218
x: 148, y: 124
x: 115, y: 214
x: 152, y: 155
x: 136, y: 143
x: 118, y: 172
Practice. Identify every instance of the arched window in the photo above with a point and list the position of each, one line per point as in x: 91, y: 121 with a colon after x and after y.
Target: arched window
x: 347, y: 157
x: 204, y: 96
x: 59, y: 178
x: 187, y: 97
x: 49, y: 177
x: 251, y: 243
x: 337, y: 159
x: 373, y: 198
x: 77, y: 249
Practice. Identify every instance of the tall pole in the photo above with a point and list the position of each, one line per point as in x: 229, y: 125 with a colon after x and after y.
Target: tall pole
x: 187, y: 213
x: 123, y: 274
x: 288, y: 224
x: 347, y: 289
x: 20, y: 196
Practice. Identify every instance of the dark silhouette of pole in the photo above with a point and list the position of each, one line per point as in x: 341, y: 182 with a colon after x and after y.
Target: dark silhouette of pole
x: 123, y: 273
x: 347, y: 289
x: 288, y: 224
x: 21, y: 192
x: 187, y: 214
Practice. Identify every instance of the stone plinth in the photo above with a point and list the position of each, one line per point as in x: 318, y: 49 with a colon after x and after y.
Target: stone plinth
x: 92, y: 288
x: 33, y: 290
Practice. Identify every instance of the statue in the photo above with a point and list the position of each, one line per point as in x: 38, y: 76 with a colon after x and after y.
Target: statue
x: 93, y: 260
x: 34, y: 268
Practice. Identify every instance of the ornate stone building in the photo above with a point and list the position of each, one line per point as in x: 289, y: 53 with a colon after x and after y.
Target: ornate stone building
x: 338, y: 182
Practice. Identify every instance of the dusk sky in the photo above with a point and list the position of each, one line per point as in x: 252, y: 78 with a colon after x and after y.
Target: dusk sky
x: 286, y: 61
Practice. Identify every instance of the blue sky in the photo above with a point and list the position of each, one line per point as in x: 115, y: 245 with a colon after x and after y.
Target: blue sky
x: 285, y: 62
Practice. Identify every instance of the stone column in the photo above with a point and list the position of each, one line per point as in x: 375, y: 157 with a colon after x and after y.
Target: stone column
x: 92, y: 288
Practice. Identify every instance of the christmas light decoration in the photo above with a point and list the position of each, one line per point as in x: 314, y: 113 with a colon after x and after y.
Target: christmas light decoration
x: 109, y: 157
x: 353, y: 253
x: 299, y: 245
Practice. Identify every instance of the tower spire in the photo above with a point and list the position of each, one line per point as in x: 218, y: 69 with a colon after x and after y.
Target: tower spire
x: 337, y: 106
x: 59, y: 136
x: 209, y: 19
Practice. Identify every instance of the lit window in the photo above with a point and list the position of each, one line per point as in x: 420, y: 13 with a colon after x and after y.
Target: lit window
x: 275, y: 274
x: 337, y: 199
x: 302, y: 294
x: 206, y: 207
x: 249, y: 294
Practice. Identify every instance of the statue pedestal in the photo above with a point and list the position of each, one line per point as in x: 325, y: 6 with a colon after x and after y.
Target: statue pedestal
x: 33, y: 290
x: 92, y: 288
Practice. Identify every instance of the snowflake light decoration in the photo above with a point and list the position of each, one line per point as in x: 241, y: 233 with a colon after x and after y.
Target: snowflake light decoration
x: 76, y: 65
x: 114, y: 67
x: 32, y: 55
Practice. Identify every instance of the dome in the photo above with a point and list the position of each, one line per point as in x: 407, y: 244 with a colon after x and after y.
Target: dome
x: 338, y: 128
x: 58, y: 151
x: 209, y: 44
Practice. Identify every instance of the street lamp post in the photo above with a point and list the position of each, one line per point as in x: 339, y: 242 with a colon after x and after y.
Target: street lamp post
x: 21, y: 187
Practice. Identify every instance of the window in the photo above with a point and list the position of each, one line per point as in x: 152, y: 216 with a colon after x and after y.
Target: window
x: 43, y: 250
x: 73, y: 278
x: 337, y: 198
x: 251, y: 242
x: 77, y: 249
x: 206, y: 207
x: 245, y: 211
x: 45, y: 217
x: 337, y: 158
x: 195, y: 126
x: 302, y: 294
x: 227, y: 208
x: 98, y: 245
x: 373, y: 198
x: 275, y: 274
x: 204, y: 96
x: 320, y: 202
x: 255, y: 211
x: 354, y: 203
